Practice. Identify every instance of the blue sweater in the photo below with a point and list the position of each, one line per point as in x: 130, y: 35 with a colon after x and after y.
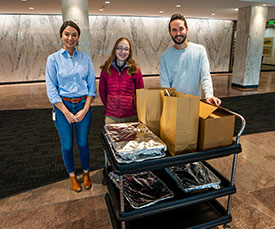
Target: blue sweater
x: 186, y: 70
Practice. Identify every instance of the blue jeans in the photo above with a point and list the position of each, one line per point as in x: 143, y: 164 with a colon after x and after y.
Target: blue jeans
x: 66, y: 134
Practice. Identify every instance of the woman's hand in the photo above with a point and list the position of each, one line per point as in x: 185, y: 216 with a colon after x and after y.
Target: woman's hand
x: 68, y: 115
x: 80, y: 115
x: 71, y: 118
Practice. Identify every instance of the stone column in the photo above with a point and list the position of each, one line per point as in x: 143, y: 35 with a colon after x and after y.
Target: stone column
x: 77, y: 11
x: 249, y: 46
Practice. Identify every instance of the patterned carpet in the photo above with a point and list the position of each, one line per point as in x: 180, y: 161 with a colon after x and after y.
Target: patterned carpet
x: 30, y: 149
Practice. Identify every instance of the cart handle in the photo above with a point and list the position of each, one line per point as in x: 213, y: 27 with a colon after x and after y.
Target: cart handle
x: 243, y: 124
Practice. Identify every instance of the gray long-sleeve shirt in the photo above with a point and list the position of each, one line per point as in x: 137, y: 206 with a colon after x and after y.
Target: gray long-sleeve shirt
x: 186, y: 70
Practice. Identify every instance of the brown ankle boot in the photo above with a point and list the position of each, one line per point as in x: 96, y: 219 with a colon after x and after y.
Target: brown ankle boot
x: 75, y: 184
x: 86, y: 181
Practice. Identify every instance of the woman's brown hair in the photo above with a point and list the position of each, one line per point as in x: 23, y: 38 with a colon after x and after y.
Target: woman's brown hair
x: 69, y: 23
x: 132, y: 70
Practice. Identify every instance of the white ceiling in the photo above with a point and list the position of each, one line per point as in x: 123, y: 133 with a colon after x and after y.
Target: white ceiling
x: 223, y: 9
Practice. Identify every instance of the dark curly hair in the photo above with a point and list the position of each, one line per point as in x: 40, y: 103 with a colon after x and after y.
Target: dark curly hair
x: 175, y: 17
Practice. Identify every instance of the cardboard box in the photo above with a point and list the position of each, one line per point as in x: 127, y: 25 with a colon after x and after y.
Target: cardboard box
x: 216, y: 127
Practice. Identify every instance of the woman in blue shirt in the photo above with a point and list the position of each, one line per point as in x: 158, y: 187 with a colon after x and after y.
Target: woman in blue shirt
x: 71, y: 88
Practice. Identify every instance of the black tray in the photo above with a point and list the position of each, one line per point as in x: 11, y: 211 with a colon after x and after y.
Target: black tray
x: 168, y: 160
x: 180, y: 200
x: 205, y: 214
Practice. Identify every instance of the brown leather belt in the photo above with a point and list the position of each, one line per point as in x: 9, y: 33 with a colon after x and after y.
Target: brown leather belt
x: 74, y: 100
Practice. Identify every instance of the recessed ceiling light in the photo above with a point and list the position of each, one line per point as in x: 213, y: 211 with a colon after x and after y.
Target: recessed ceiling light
x: 236, y: 9
x: 23, y: 0
x: 213, y: 14
x: 264, y: 4
x: 31, y: 8
x: 101, y: 9
x: 178, y: 5
x: 107, y: 2
x: 161, y: 11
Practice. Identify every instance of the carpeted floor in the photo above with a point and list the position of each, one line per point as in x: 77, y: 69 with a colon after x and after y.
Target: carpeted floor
x: 258, y: 111
x: 30, y: 153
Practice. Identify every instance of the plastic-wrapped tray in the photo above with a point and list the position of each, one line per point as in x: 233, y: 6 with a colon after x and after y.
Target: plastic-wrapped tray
x: 142, y: 189
x: 133, y: 142
x: 194, y: 176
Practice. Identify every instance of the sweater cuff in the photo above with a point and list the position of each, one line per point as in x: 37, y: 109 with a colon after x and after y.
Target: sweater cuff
x: 209, y: 94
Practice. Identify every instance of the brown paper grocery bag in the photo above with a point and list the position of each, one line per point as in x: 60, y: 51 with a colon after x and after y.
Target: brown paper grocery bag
x: 179, y: 122
x: 149, y: 107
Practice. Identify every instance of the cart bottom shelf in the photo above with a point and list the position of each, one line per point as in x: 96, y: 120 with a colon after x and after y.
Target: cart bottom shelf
x: 202, y: 215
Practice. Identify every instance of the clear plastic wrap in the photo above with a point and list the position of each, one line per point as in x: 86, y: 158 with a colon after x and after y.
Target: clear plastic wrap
x: 142, y: 189
x: 133, y: 142
x: 193, y: 176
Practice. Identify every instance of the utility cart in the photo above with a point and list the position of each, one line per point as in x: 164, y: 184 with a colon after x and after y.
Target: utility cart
x: 184, y: 210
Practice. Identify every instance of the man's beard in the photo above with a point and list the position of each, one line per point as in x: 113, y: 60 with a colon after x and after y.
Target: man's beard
x: 179, y: 42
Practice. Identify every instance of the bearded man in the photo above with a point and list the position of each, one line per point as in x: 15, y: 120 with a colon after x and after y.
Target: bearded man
x: 185, y: 65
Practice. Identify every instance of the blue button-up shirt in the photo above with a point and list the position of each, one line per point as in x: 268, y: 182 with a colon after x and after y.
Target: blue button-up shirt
x: 69, y: 77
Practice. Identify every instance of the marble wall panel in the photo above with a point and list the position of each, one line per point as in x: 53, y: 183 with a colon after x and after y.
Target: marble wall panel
x: 216, y: 37
x: 150, y: 39
x: 25, y: 43
x: 27, y: 40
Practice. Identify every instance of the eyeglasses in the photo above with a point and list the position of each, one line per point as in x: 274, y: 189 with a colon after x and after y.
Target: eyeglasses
x: 120, y: 49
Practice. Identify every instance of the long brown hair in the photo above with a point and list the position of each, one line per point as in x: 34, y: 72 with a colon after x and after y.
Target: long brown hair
x: 132, y: 70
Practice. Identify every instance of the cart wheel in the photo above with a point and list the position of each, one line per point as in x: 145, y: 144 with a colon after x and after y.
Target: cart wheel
x: 226, y: 226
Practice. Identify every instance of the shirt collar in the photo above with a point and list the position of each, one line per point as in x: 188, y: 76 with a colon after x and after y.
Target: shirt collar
x: 114, y: 64
x: 65, y: 51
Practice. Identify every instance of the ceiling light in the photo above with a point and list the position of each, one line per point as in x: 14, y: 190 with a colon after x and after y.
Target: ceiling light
x: 258, y: 1
x: 236, y: 9
x: 213, y: 14
x: 31, y: 8
x: 264, y: 4
x: 23, y: 0
x: 161, y: 11
x: 178, y: 5
x: 101, y: 9
x: 107, y: 2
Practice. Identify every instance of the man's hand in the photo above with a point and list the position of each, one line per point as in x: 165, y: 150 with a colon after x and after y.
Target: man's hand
x: 214, y: 100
